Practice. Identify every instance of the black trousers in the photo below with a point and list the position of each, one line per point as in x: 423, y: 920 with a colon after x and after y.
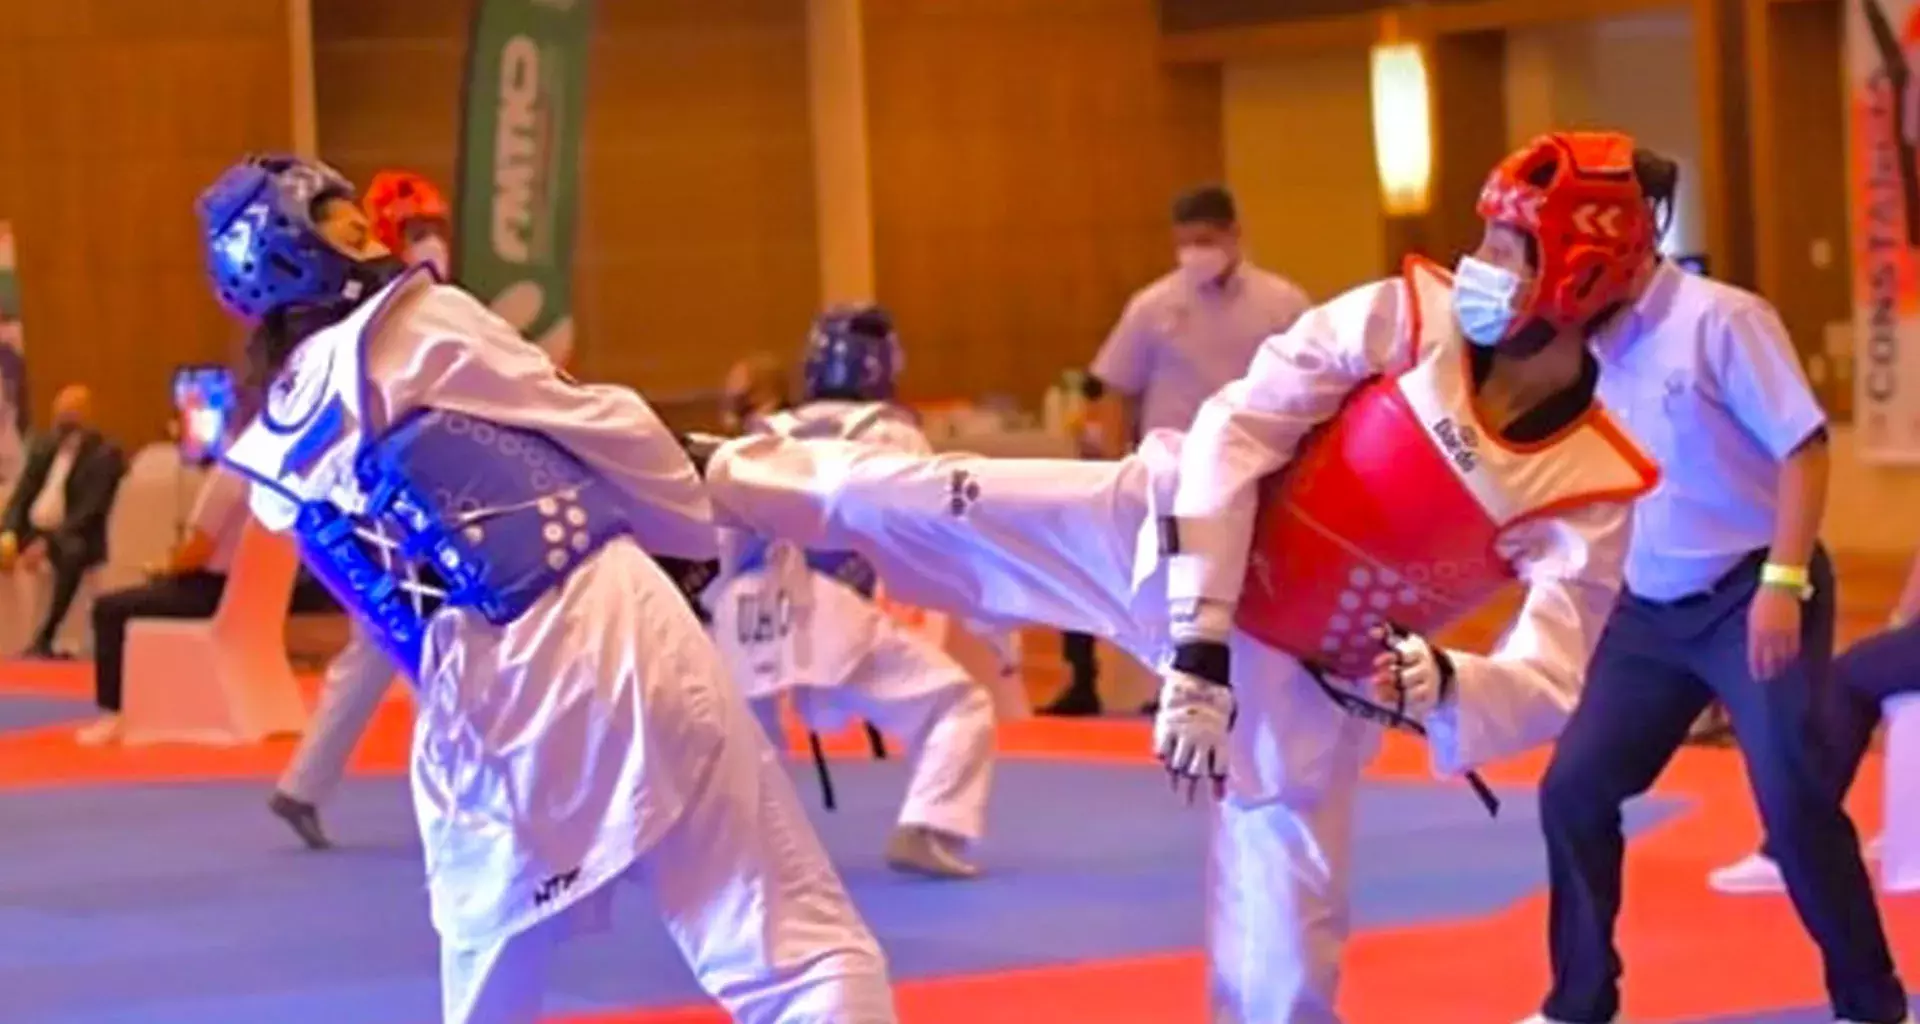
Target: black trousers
x: 1881, y: 666
x: 188, y: 596
x: 1083, y: 664
x: 69, y: 565
x: 193, y: 595
x: 1657, y: 667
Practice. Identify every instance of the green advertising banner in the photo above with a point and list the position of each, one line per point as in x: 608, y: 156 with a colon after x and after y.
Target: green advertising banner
x: 13, y: 363
x: 518, y: 186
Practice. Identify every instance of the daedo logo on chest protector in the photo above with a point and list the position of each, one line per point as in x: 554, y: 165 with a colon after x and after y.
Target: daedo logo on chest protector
x: 763, y: 617
x: 1460, y: 441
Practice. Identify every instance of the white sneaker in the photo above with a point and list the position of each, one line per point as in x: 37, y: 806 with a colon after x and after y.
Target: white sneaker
x: 99, y: 733
x: 1754, y: 873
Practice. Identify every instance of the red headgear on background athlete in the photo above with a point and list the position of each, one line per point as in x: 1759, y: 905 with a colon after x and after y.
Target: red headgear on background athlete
x: 1576, y: 197
x: 409, y: 216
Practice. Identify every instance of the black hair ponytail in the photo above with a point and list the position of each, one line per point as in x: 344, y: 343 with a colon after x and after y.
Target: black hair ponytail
x: 1659, y: 179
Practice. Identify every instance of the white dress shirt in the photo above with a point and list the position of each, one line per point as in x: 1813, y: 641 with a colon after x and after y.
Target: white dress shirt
x: 1705, y: 377
x: 50, y: 505
x: 1179, y: 342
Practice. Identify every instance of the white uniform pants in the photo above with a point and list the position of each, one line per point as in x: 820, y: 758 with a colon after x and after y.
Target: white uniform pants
x: 747, y: 894
x: 911, y: 689
x: 1057, y: 543
x: 357, y: 679
x: 1278, y: 902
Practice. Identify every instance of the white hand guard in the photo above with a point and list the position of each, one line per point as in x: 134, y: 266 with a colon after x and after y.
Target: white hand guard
x: 1190, y: 729
x: 1423, y: 676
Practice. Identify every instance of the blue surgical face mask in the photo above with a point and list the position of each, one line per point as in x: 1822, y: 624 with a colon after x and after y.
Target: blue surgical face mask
x: 1483, y: 297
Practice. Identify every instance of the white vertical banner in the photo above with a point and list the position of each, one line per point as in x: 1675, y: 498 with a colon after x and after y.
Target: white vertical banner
x: 1883, y: 119
x: 13, y: 364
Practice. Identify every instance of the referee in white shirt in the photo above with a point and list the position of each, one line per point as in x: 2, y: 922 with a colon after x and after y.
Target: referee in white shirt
x: 1183, y: 337
x: 1728, y: 595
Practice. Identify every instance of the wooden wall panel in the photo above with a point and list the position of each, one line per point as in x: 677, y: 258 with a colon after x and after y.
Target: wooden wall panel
x: 1299, y: 151
x: 1024, y: 153
x: 1470, y: 135
x: 1721, y: 40
x: 698, y: 243
x: 1799, y: 150
x: 386, y: 82
x: 1189, y: 15
x: 697, y: 235
x: 117, y: 114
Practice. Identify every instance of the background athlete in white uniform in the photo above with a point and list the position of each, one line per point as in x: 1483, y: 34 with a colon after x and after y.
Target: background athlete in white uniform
x: 484, y: 515
x: 1077, y: 545
x: 803, y: 622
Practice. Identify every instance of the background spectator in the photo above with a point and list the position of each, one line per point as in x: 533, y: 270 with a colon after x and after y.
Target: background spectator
x: 57, y: 518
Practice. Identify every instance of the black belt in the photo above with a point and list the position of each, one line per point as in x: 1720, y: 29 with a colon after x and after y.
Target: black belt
x: 1391, y: 718
x: 875, y: 742
x: 1747, y: 565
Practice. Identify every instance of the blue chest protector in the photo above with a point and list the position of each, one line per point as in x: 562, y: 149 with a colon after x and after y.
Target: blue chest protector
x: 846, y: 566
x: 460, y: 512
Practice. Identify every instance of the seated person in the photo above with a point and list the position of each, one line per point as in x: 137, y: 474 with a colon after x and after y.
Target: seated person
x: 57, y: 517
x: 1864, y: 677
x: 187, y: 585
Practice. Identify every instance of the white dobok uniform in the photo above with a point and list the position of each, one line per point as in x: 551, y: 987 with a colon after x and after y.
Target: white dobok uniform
x: 1078, y: 545
x: 356, y: 680
x: 783, y: 626
x: 592, y: 737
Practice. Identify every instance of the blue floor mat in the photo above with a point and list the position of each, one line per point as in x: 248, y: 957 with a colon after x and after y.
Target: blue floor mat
x: 201, y: 910
x: 20, y: 712
x: 1810, y: 1015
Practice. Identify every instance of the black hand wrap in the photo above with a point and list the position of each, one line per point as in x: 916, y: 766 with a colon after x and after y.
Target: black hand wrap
x: 1204, y: 659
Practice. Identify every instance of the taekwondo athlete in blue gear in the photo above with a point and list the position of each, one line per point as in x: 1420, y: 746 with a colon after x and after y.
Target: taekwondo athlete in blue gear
x: 803, y: 622
x: 490, y: 521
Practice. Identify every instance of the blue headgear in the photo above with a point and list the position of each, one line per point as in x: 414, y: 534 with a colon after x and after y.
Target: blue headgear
x: 852, y: 354
x: 263, y: 249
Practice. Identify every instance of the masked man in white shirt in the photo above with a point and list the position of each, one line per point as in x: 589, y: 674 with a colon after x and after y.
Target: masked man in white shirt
x: 1180, y: 339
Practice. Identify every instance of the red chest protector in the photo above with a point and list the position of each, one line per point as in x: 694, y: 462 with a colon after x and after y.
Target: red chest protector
x: 1393, y: 509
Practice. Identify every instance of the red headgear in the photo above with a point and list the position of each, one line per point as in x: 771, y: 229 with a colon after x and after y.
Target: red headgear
x: 395, y: 197
x: 1576, y: 195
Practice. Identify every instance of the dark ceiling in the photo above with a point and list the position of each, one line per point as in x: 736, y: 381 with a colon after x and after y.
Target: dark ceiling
x: 1186, y: 15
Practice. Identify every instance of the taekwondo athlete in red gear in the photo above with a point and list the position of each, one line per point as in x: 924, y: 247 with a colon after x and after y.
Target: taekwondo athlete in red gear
x: 1461, y: 446
x: 1424, y: 360
x: 804, y: 622
x: 490, y: 521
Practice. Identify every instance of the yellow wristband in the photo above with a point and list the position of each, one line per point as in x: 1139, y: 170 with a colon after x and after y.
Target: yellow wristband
x: 1787, y: 577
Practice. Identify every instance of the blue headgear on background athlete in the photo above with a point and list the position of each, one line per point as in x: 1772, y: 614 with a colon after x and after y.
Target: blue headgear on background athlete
x: 264, y: 249
x: 853, y: 354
